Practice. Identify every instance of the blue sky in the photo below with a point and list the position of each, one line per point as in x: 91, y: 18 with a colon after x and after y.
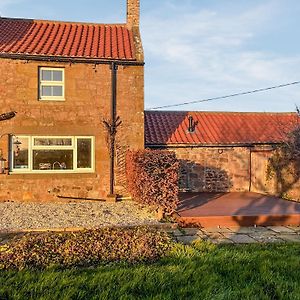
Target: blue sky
x: 197, y: 49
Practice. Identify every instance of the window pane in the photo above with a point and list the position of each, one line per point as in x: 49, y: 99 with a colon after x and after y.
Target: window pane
x: 46, y: 91
x: 57, y: 91
x: 20, y: 153
x: 52, y: 142
x: 46, y: 75
x: 53, y: 160
x: 57, y: 75
x: 84, y: 153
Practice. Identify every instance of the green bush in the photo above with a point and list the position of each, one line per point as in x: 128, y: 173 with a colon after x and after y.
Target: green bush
x: 84, y: 248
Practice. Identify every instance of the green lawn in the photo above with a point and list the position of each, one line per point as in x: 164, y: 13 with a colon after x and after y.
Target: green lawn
x: 203, y: 271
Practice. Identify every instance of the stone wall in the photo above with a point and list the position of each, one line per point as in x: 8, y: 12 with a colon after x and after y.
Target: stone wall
x: 87, y: 104
x: 214, y: 169
x: 229, y: 169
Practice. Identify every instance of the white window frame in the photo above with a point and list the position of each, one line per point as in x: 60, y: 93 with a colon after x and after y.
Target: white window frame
x: 73, y: 147
x: 51, y: 83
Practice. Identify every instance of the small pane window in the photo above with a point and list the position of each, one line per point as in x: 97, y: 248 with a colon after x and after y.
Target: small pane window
x: 20, y: 153
x: 57, y: 91
x: 46, y: 91
x: 52, y: 142
x: 52, y: 91
x: 57, y: 76
x: 46, y: 75
x: 84, y: 150
x: 51, y: 84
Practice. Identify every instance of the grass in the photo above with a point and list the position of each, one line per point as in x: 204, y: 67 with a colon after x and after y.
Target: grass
x: 201, y: 271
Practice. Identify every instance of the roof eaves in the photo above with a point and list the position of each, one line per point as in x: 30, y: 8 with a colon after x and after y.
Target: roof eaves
x: 61, y: 22
x: 249, y: 144
x: 67, y: 59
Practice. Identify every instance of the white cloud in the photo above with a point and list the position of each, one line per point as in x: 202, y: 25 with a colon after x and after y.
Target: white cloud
x: 207, y: 53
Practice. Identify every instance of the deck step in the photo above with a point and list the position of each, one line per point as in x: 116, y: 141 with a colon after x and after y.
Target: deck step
x: 240, y: 220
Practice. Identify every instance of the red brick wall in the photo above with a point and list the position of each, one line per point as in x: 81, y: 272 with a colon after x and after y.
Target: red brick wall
x: 88, y: 94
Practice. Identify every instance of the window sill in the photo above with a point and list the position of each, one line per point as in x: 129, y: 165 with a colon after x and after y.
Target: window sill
x: 53, y: 100
x: 47, y: 175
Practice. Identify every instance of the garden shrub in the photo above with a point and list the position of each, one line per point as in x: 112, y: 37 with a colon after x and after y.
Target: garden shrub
x: 84, y: 248
x: 284, y: 165
x: 152, y: 178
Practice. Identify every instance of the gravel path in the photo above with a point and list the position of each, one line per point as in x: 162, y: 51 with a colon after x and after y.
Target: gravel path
x: 16, y: 216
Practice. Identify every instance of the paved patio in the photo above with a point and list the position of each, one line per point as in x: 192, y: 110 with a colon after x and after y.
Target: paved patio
x: 236, y: 209
x: 243, y: 235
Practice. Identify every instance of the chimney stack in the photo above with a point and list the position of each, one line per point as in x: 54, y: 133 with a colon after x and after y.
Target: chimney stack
x: 133, y: 13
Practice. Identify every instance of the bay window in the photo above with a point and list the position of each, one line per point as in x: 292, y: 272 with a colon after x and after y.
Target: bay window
x: 40, y: 154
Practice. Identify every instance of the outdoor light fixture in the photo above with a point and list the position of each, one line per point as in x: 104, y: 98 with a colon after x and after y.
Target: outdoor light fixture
x: 17, y: 142
x: 8, y: 115
x: 2, y: 165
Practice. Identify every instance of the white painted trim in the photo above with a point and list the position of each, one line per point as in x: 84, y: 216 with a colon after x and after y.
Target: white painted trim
x: 51, y: 83
x: 32, y: 147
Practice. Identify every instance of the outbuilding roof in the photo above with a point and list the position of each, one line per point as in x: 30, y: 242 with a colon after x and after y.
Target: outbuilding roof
x: 217, y: 128
x: 40, y: 38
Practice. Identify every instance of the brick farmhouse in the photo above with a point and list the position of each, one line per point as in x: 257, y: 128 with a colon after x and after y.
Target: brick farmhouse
x: 58, y: 77
x: 78, y: 90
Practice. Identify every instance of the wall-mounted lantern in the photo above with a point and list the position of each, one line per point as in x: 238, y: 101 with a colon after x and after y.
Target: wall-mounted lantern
x: 2, y: 165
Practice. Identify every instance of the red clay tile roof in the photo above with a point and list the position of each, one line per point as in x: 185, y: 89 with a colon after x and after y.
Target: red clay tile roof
x: 217, y: 128
x: 64, y: 39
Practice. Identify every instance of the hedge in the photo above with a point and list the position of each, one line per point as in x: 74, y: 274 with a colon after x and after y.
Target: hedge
x: 152, y: 178
x: 84, y: 248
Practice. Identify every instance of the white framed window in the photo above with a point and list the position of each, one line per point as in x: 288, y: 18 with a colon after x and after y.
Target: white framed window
x: 52, y: 154
x: 51, y: 84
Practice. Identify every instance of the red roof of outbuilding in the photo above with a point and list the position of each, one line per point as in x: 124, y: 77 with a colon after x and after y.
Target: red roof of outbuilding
x: 217, y: 128
x: 65, y: 39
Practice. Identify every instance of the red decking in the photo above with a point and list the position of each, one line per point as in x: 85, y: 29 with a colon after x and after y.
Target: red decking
x: 236, y: 209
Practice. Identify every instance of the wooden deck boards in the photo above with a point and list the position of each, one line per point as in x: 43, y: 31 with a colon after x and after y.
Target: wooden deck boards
x: 236, y: 209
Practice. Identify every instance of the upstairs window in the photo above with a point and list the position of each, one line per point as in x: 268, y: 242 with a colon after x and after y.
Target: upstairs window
x: 52, y: 84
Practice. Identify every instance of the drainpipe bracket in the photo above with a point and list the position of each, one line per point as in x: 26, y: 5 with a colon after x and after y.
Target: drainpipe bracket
x: 112, y: 198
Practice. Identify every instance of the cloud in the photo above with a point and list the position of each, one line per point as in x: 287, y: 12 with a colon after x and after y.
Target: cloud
x: 207, y: 52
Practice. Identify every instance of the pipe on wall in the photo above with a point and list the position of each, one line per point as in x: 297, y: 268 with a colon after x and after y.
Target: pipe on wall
x: 113, y: 117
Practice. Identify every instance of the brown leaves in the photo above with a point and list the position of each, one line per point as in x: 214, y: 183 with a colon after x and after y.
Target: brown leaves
x: 84, y: 248
x: 153, y: 178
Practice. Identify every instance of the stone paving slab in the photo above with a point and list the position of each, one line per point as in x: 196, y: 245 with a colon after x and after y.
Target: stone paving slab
x: 191, y: 231
x: 215, y: 235
x: 296, y: 229
x: 242, y: 235
x: 267, y: 239
x: 217, y: 229
x: 240, y: 238
x: 221, y: 241
x: 290, y: 237
x: 187, y: 239
x: 281, y: 229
